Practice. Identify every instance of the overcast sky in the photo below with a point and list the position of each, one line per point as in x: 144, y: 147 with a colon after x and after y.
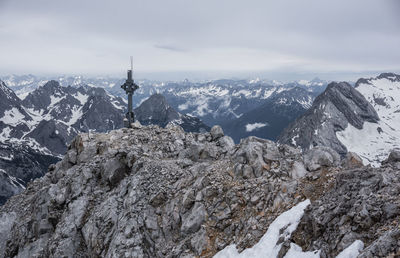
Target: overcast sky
x: 187, y: 36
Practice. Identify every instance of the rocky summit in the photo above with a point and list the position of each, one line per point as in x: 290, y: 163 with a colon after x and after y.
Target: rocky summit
x: 161, y: 192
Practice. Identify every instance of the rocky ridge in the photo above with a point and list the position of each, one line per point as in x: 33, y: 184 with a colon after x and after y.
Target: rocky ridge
x: 339, y: 106
x: 154, y: 192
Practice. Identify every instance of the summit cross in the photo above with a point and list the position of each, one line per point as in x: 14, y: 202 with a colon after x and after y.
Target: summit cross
x: 129, y: 86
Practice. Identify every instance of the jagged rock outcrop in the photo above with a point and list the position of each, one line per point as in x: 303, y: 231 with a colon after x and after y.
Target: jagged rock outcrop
x: 364, y: 204
x: 153, y: 192
x: 332, y: 111
x: 156, y: 110
x: 161, y: 192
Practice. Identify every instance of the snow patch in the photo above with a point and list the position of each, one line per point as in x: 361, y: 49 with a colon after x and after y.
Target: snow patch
x: 5, y: 134
x: 81, y: 98
x: 268, y: 245
x: 372, y: 143
x: 12, y: 117
x: 352, y: 251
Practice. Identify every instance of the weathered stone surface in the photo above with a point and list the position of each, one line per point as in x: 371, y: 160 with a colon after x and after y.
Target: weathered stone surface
x: 154, y: 192
x: 394, y: 156
x: 193, y: 220
x: 319, y: 157
x: 362, y: 205
x: 216, y: 132
x: 352, y: 160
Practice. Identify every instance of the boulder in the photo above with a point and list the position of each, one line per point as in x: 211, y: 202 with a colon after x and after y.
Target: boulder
x: 193, y: 220
x: 352, y: 160
x: 394, y: 156
x: 216, y: 132
x: 319, y: 157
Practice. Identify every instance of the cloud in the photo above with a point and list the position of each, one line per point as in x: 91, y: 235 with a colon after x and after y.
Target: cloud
x: 170, y: 48
x: 90, y: 36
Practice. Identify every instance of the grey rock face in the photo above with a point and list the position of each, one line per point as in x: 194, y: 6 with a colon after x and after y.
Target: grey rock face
x: 216, y: 132
x: 362, y: 205
x: 339, y: 105
x: 352, y: 160
x: 151, y: 192
x: 319, y: 157
x: 394, y: 156
x: 161, y: 192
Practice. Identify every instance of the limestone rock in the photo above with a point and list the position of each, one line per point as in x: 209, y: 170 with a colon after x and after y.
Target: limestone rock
x: 394, y: 156
x: 352, y: 160
x: 216, y: 132
x: 161, y: 192
x: 192, y: 221
x: 319, y: 157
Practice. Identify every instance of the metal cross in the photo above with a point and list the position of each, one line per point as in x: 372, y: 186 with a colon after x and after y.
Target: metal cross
x: 129, y: 86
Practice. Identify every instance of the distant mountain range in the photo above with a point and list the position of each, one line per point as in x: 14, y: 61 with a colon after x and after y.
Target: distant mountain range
x: 35, y: 131
x: 271, y: 116
x: 156, y: 110
x: 214, y: 102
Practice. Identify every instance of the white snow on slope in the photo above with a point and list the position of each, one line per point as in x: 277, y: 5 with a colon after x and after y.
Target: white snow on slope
x: 286, y: 223
x: 12, y: 117
x: 268, y: 245
x: 368, y: 143
x: 5, y: 134
x: 255, y: 126
x: 352, y: 251
x: 76, y: 114
x: 371, y: 145
x: 81, y: 98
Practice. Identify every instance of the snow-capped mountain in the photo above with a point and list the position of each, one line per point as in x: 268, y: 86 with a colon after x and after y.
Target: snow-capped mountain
x: 364, y: 119
x: 22, y: 85
x: 373, y: 141
x: 214, y: 102
x: 35, y: 131
x: 156, y: 110
x: 339, y: 105
x: 62, y: 112
x: 272, y: 116
x: 217, y: 101
x: 48, y: 118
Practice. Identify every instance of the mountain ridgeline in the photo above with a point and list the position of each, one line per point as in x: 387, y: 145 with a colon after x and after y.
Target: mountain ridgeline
x: 48, y: 118
x: 364, y: 119
x: 339, y: 105
x: 44, y: 118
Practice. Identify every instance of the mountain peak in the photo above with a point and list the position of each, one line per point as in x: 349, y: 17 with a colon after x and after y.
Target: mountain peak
x: 156, y: 110
x: 51, y: 84
x: 389, y: 76
x: 332, y: 111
